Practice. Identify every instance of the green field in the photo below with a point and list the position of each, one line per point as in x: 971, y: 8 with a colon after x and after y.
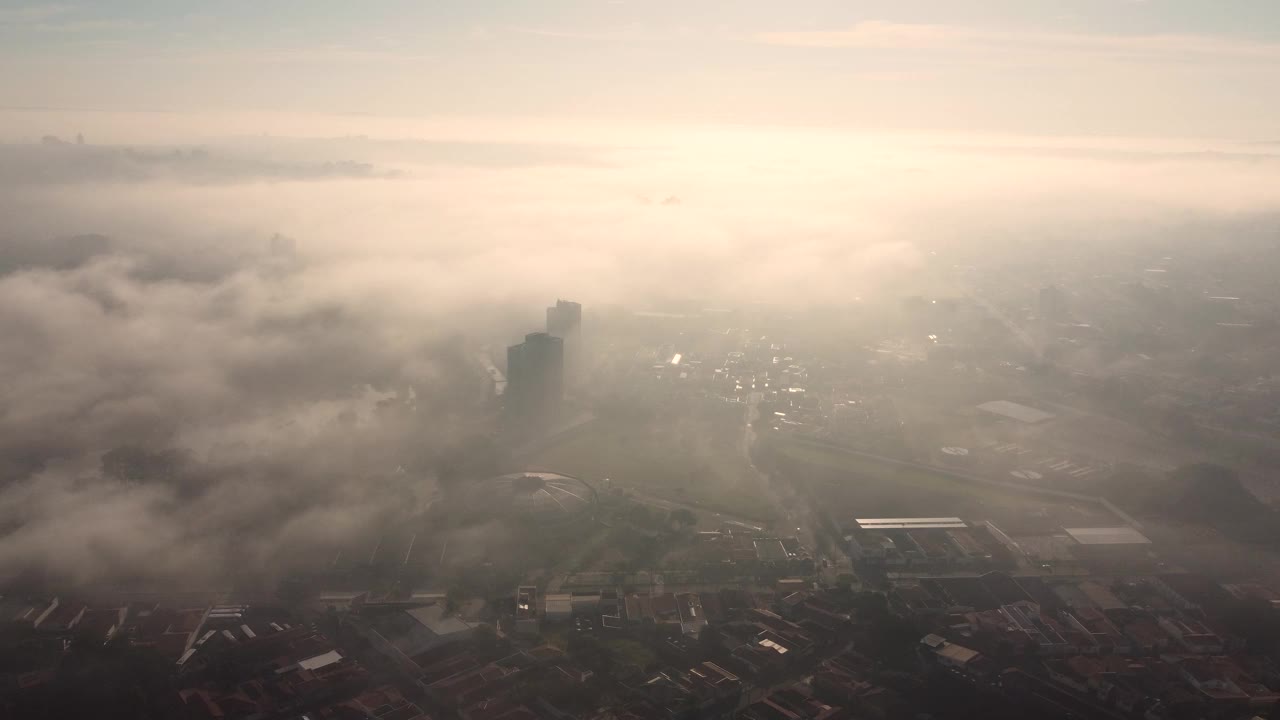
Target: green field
x: 872, y: 470
x: 628, y: 651
x: 853, y: 484
x: 624, y: 650
x: 689, y: 460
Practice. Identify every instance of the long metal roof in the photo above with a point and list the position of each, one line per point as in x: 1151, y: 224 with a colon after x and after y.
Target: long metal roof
x: 925, y: 523
x: 1107, y: 536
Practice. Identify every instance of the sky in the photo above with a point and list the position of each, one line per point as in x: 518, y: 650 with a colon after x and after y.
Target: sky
x: 1148, y: 68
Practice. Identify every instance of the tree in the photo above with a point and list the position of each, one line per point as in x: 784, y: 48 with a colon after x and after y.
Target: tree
x: 644, y: 551
x: 872, y: 605
x: 104, y: 681
x: 588, y: 650
x: 485, y: 639
x: 684, y: 518
x: 640, y: 516
x: 1213, y: 494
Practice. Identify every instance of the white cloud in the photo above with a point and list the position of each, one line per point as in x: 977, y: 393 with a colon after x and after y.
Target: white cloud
x: 554, y: 33
x: 269, y: 354
x: 101, y: 25
x: 32, y: 13
x: 966, y: 39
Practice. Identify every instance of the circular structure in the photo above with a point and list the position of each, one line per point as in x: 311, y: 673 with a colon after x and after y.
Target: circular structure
x: 539, y: 498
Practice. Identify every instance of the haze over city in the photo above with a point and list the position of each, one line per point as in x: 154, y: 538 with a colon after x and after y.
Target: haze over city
x: 639, y: 359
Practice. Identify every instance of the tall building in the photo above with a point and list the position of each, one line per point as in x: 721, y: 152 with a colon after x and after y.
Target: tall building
x: 535, y: 377
x: 564, y: 320
x: 1053, y: 304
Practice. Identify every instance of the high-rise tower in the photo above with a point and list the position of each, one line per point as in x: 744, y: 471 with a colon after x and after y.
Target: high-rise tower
x: 564, y: 320
x: 535, y: 377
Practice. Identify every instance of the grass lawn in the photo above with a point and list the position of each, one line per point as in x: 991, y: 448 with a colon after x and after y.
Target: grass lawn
x: 871, y: 470
x: 673, y: 458
x: 628, y: 651
x: 556, y: 634
x: 625, y: 650
x: 858, y: 486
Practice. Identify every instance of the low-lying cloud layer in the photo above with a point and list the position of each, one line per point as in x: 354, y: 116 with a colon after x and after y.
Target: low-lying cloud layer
x: 252, y: 416
x: 58, y: 162
x: 269, y: 396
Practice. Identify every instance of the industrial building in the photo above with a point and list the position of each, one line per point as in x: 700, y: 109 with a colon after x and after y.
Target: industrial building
x: 527, y: 610
x: 543, y: 500
x: 933, y: 542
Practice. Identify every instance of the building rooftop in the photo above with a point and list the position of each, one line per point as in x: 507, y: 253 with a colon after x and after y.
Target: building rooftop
x: 526, y: 602
x: 957, y: 654
x: 1101, y: 596
x: 559, y: 603
x: 538, y: 497
x: 1107, y: 536
x: 319, y: 661
x: 919, y: 523
x: 433, y: 618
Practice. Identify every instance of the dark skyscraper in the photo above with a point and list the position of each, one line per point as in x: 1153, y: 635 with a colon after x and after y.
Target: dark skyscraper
x: 535, y: 377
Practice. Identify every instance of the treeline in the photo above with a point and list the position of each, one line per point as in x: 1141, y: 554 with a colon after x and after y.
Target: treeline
x: 1203, y: 493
